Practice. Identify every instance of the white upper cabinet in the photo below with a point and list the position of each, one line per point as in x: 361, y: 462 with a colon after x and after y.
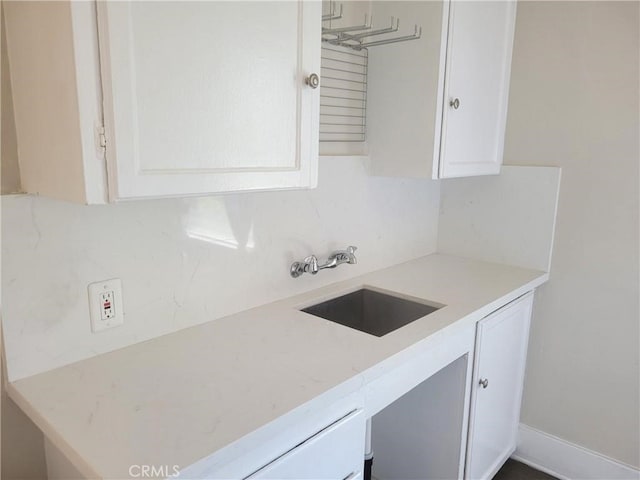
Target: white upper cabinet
x: 194, y: 97
x: 207, y: 97
x: 476, y: 87
x: 436, y: 107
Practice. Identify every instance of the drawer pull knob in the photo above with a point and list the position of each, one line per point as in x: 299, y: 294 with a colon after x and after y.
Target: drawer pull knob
x: 455, y: 103
x: 484, y: 382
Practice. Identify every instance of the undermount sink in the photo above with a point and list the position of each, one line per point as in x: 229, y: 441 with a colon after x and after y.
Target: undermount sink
x: 371, y: 311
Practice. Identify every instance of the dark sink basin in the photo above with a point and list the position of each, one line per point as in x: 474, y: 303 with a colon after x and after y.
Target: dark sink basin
x: 370, y: 311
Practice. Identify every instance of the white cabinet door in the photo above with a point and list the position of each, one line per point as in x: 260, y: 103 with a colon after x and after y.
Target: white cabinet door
x: 335, y: 453
x: 464, y: 54
x: 476, y: 89
x: 205, y: 97
x: 501, y: 351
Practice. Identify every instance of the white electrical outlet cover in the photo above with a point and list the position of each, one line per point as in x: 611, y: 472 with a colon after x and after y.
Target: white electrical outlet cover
x: 95, y: 294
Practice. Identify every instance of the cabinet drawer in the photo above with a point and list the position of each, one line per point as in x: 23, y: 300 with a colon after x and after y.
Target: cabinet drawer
x: 336, y: 452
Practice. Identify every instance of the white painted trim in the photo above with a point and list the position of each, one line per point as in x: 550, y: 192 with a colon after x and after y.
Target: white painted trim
x: 565, y: 460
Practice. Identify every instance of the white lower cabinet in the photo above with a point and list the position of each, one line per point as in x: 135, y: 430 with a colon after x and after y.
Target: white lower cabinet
x: 451, y: 412
x: 334, y: 453
x: 500, y: 356
x: 436, y: 432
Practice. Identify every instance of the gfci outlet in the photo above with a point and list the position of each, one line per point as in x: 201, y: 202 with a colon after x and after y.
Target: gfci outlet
x: 105, y: 304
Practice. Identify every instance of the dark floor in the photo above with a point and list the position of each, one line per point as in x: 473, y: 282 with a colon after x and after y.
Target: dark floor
x: 513, y: 470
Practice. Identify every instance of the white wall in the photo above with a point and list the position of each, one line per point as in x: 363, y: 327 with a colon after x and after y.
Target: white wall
x: 508, y: 218
x: 575, y: 104
x: 188, y: 261
x: 21, y: 452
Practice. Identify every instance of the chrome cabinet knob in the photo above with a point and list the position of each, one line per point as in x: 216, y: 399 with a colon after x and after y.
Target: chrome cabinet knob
x: 484, y: 382
x: 455, y: 103
x: 313, y: 80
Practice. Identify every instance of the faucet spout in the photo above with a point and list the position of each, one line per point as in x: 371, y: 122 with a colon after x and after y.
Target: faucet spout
x: 341, y: 256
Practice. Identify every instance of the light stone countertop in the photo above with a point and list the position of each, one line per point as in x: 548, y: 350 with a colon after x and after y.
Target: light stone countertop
x: 181, y: 397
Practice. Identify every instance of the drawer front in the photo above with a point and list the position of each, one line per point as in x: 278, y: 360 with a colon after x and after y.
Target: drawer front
x: 335, y: 453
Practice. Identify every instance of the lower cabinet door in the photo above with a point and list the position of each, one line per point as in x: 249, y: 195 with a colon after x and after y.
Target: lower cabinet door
x: 501, y: 351
x: 334, y: 453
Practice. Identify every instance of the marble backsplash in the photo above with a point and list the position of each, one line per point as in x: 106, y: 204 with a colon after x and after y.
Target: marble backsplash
x: 187, y: 261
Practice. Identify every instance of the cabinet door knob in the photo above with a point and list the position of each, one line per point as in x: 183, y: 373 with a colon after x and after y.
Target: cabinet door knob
x: 455, y: 103
x: 313, y: 80
x: 484, y: 382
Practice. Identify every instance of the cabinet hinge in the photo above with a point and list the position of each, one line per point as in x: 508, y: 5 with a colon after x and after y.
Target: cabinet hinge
x: 102, y: 138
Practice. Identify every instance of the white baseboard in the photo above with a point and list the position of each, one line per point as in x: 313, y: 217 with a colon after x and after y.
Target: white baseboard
x: 566, y: 460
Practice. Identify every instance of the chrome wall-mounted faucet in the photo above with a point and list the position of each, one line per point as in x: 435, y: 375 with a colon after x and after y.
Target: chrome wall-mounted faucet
x: 310, y: 264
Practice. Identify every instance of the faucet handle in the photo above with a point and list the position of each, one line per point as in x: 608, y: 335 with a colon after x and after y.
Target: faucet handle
x: 352, y: 257
x: 311, y: 264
